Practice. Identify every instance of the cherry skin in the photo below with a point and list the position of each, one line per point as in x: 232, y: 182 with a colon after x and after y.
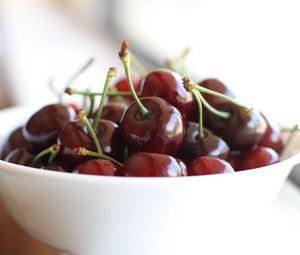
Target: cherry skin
x: 209, y: 165
x: 99, y: 167
x: 258, y: 157
x: 13, y: 141
x: 234, y: 159
x: 161, y: 131
x: 272, y: 137
x: 114, y: 111
x: 43, y: 127
x: 168, y: 85
x: 72, y: 136
x: 210, y: 145
x: 241, y: 130
x: 20, y: 156
x: 110, y: 138
x: 146, y: 164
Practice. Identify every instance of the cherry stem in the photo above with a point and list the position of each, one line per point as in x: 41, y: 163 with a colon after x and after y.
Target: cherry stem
x: 181, y: 59
x: 54, y: 90
x: 125, y: 58
x: 52, y: 150
x: 189, y: 85
x: 84, y: 152
x: 92, y: 103
x: 213, y: 110
x: 116, y: 93
x: 199, y: 103
x: 82, y: 116
x: 138, y: 66
x: 112, y: 72
x: 84, y: 67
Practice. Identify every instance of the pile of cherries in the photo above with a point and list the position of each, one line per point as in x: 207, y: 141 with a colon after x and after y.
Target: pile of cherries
x: 161, y: 124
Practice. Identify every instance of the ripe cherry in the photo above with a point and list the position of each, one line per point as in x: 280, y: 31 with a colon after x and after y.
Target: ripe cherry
x: 20, y: 156
x: 258, y: 157
x: 160, y: 131
x: 209, y: 165
x: 241, y: 130
x: 150, y: 124
x: 53, y: 167
x: 145, y: 164
x: 99, y: 167
x: 194, y: 146
x: 168, y: 85
x: 13, y: 141
x: 272, y: 137
x: 42, y: 129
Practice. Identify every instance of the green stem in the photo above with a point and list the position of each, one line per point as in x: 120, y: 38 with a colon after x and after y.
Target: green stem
x: 87, y: 93
x: 91, y: 131
x: 138, y: 66
x: 213, y: 110
x: 214, y: 93
x: 85, y: 152
x: 125, y: 58
x: 200, y: 112
x: 110, y: 74
x: 85, y: 66
x: 52, y: 150
x: 92, y: 103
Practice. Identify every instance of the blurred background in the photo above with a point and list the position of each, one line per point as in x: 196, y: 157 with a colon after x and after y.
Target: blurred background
x: 252, y: 46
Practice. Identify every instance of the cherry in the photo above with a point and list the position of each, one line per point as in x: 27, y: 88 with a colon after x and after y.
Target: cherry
x: 194, y: 146
x: 74, y: 135
x: 13, y: 141
x: 272, y: 137
x: 43, y: 127
x: 20, y: 156
x: 168, y: 85
x: 241, y: 130
x: 145, y: 164
x: 234, y: 159
x: 99, y: 167
x: 161, y: 131
x: 150, y: 124
x: 113, y: 111
x: 111, y: 139
x: 209, y: 165
x: 258, y: 157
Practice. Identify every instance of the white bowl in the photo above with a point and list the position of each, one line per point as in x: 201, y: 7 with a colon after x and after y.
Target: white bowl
x: 93, y: 215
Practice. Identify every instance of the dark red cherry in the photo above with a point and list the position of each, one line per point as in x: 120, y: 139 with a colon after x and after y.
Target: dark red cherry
x: 110, y: 139
x: 13, y: 141
x: 241, y: 130
x: 218, y: 86
x: 168, y: 85
x: 209, y: 165
x: 99, y: 167
x: 161, y: 131
x: 53, y: 167
x: 43, y: 127
x: 210, y: 145
x: 145, y: 164
x: 272, y: 137
x: 20, y: 156
x: 234, y: 159
x: 114, y: 111
x: 258, y: 157
x: 72, y: 136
